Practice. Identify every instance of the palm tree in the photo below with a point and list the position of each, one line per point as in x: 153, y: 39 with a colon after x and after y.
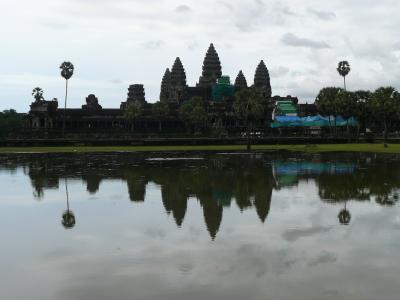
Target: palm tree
x: 132, y: 111
x: 160, y: 111
x: 344, y: 215
x: 37, y: 93
x: 327, y: 101
x: 67, y: 70
x: 68, y: 217
x: 343, y: 69
x: 248, y: 106
x: 193, y: 113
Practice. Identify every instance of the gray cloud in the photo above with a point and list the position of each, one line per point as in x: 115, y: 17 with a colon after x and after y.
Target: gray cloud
x: 193, y: 46
x: 292, y: 40
x: 292, y: 235
x: 152, y: 45
x: 115, y: 81
x: 248, y: 18
x: 323, y: 15
x: 323, y: 258
x: 279, y: 71
x: 183, y: 9
x: 225, y: 4
x: 110, y: 31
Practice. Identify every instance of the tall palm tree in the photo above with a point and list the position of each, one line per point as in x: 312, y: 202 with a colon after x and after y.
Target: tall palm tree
x: 160, y: 111
x: 132, y: 111
x: 37, y: 93
x: 248, y: 106
x: 68, y: 217
x: 67, y: 70
x: 343, y: 70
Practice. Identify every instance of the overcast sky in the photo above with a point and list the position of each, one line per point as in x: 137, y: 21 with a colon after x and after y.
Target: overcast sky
x: 115, y: 43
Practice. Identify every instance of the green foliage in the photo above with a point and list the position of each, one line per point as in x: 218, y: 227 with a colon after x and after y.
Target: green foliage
x: 67, y: 69
x: 328, y: 102
x: 132, y: 111
x: 37, y: 93
x: 381, y: 107
x: 160, y: 110
x: 248, y: 105
x: 10, y: 121
x: 343, y: 68
x: 385, y: 102
x: 193, y: 112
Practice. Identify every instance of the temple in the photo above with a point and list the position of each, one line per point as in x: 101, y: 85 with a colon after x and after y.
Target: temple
x: 213, y: 90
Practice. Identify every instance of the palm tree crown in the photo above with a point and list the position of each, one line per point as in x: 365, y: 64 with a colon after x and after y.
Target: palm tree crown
x: 343, y: 68
x: 37, y: 93
x: 67, y: 70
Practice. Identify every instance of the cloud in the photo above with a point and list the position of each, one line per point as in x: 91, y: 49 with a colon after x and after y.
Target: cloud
x: 115, y: 81
x: 89, y: 31
x: 249, y: 16
x: 324, y: 258
x: 193, y: 46
x: 323, y: 15
x: 153, y: 45
x: 183, y: 9
x: 279, y: 71
x: 227, y: 5
x: 292, y: 235
x: 292, y: 40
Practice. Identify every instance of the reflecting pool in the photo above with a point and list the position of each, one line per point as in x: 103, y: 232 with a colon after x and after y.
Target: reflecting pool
x: 199, y: 226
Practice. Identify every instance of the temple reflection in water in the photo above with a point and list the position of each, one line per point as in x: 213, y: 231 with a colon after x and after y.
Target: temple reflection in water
x: 216, y: 181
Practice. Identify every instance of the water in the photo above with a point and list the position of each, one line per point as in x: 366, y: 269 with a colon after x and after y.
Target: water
x: 216, y: 226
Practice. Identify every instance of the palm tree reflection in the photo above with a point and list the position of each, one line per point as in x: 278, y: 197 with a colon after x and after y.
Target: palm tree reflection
x: 344, y: 215
x: 68, y: 217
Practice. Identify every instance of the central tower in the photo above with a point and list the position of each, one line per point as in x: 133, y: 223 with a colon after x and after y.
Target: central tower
x: 211, y: 68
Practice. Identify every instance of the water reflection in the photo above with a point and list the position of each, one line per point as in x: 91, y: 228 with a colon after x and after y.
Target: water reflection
x: 68, y: 217
x: 264, y: 226
x: 217, y: 180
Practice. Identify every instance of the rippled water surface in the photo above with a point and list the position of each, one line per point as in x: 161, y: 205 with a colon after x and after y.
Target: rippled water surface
x: 201, y: 226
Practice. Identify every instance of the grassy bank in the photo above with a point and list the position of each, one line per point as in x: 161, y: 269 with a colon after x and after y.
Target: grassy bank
x: 376, y: 148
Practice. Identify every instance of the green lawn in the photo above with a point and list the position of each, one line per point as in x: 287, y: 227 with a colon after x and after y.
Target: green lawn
x: 378, y: 148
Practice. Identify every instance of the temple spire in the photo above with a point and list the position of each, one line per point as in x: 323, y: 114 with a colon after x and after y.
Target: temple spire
x: 178, y: 75
x: 136, y: 93
x: 240, y: 82
x: 262, y: 81
x: 165, y: 84
x: 177, y: 87
x: 211, y: 68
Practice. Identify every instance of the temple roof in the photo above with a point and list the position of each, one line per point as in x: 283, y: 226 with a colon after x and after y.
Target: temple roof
x: 178, y: 75
x: 240, y: 81
x: 261, y: 77
x: 166, y: 81
x: 262, y: 80
x: 211, y: 67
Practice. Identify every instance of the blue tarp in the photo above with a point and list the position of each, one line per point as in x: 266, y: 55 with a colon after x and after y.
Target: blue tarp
x: 312, y: 121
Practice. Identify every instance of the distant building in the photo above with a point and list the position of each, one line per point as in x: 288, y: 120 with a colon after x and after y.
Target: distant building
x: 213, y: 88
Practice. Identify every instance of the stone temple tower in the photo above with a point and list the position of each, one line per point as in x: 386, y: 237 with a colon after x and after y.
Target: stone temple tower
x: 165, y: 86
x: 240, y: 82
x: 178, y: 86
x: 211, y: 68
x: 262, y: 82
x: 136, y: 93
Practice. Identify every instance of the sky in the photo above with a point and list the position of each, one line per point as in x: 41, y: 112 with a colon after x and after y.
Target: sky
x: 115, y: 43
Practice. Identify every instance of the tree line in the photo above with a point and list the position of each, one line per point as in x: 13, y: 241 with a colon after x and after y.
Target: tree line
x: 378, y: 111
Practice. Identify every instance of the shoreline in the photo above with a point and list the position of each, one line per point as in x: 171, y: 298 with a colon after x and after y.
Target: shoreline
x: 310, y: 148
